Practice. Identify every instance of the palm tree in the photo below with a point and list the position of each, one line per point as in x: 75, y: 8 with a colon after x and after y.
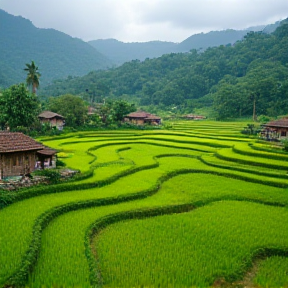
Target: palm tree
x: 32, y: 76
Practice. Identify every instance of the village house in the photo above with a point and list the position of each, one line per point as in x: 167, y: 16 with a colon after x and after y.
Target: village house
x: 142, y: 117
x: 194, y: 117
x: 20, y: 155
x: 54, y: 119
x: 277, y: 129
x: 91, y: 111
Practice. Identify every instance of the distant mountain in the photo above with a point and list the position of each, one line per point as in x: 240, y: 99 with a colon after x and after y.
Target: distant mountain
x: 221, y: 78
x: 216, y: 38
x: 57, y: 54
x: 212, y: 39
x: 121, y: 52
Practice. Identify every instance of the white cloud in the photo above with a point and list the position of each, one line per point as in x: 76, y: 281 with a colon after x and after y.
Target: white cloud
x: 144, y: 20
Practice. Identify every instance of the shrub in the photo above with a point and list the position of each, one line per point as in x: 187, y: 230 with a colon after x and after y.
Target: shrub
x: 52, y: 174
x: 60, y: 163
x: 285, y: 144
x: 264, y: 119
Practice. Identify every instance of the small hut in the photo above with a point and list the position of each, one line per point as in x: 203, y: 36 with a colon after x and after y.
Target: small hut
x: 17, y: 154
x: 54, y: 119
x: 46, y: 158
x: 142, y: 117
x: 194, y: 117
x: 277, y: 129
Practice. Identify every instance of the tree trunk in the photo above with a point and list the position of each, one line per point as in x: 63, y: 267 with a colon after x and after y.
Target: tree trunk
x: 34, y: 89
x: 254, y: 110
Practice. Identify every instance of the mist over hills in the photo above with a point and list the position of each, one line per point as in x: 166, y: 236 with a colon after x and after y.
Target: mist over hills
x: 57, y: 54
x: 120, y: 52
x: 221, y: 78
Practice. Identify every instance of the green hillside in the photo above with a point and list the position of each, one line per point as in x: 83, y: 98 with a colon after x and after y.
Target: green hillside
x: 218, y: 78
x: 57, y: 54
x: 121, y: 52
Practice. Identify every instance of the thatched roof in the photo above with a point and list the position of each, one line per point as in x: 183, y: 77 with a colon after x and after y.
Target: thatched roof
x: 143, y: 115
x: 194, y: 116
x: 153, y: 117
x: 281, y: 123
x: 50, y: 115
x: 47, y: 151
x: 16, y: 142
x: 138, y: 114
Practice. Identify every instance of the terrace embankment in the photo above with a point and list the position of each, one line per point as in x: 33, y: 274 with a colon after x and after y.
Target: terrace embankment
x: 128, y: 170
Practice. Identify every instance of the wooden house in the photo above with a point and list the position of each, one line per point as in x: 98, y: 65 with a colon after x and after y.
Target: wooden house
x: 277, y: 129
x: 91, y: 111
x: 142, y: 117
x: 17, y: 154
x: 21, y: 155
x: 194, y: 117
x: 54, y: 119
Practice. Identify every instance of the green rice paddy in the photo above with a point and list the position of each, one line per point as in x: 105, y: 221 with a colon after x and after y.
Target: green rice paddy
x: 187, y: 207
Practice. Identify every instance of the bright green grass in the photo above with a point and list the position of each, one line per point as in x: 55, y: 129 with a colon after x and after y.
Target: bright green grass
x: 187, y: 146
x: 18, y: 218
x: 253, y: 169
x: 79, y: 159
x: 268, y: 147
x: 273, y: 273
x: 189, y: 249
x: 245, y: 148
x: 229, y: 155
x: 63, y: 241
x: 160, y: 139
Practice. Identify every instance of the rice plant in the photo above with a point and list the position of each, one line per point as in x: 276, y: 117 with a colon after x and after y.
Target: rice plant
x: 155, y: 169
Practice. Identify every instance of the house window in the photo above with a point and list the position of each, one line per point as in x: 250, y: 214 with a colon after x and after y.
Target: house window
x: 283, y: 133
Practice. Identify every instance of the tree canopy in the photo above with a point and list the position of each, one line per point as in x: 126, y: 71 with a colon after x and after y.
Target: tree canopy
x: 71, y: 107
x: 18, y: 108
x: 255, y: 66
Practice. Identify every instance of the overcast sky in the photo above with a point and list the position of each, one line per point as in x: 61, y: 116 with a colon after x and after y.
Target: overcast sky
x: 145, y: 20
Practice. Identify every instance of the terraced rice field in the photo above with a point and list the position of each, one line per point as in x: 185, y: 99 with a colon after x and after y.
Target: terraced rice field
x: 198, y: 205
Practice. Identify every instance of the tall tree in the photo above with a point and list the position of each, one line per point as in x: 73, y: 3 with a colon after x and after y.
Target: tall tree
x: 33, y: 76
x: 18, y: 107
x: 71, y: 107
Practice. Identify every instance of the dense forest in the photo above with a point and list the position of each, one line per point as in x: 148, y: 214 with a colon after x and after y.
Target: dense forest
x: 57, y: 54
x: 120, y: 52
x: 228, y: 78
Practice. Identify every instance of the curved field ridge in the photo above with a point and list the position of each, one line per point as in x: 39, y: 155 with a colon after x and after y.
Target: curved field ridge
x: 70, y: 239
x: 121, y: 171
x: 30, y: 257
x: 212, y: 257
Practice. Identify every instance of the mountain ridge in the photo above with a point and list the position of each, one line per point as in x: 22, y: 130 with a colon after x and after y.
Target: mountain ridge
x: 21, y: 42
x: 121, y: 52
